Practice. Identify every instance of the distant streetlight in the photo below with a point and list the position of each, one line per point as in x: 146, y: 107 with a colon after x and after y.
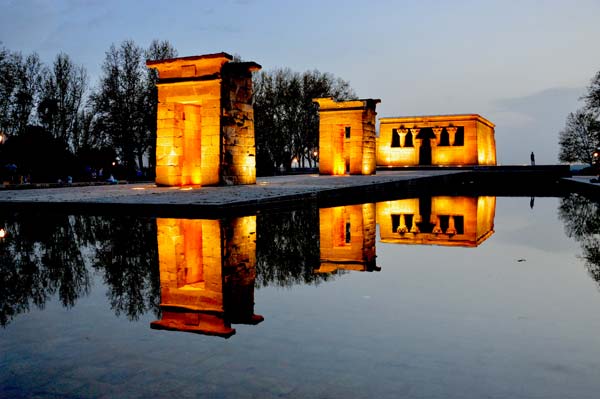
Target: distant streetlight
x: 315, y: 153
x: 2, y: 233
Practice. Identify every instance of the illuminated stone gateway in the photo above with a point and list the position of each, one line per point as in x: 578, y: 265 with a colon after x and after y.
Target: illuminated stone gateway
x: 445, y: 140
x: 205, y: 121
x: 347, y: 136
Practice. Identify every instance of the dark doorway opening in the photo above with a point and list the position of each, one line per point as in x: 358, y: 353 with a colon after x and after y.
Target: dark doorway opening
x: 425, y: 225
x: 426, y: 135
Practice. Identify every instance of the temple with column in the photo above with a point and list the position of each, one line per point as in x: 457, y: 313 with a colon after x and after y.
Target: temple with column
x: 442, y: 140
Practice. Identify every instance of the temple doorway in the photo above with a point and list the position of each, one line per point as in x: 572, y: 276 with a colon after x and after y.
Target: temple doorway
x: 425, y: 135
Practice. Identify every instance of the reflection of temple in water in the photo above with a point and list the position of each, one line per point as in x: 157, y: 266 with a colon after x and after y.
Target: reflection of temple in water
x: 207, y: 273
x: 347, y: 238
x: 450, y: 221
x: 208, y: 267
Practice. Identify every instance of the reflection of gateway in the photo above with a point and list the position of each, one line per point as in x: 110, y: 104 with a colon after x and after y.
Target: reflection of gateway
x: 207, y: 273
x: 347, y: 238
x: 452, y: 221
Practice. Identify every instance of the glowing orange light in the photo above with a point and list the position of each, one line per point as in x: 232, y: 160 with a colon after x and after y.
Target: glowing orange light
x: 190, y: 123
x: 114, y: 163
x: 2, y: 233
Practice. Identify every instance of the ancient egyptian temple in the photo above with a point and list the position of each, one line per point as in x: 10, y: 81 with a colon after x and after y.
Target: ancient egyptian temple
x: 205, y: 121
x: 347, y: 136
x: 444, y: 140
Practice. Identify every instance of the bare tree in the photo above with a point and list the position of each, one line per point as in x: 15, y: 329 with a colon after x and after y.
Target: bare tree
x: 580, y: 137
x: 8, y: 83
x: 124, y: 103
x: 286, y: 120
x: 592, y: 98
x: 20, y: 79
x: 61, y: 100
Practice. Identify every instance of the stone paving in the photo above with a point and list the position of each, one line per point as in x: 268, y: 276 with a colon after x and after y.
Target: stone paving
x: 267, y: 189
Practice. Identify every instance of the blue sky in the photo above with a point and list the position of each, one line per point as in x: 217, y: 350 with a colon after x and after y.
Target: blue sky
x: 521, y: 64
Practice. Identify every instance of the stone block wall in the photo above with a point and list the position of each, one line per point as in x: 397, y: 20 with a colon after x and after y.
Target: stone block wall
x: 205, y: 121
x: 427, y: 147
x: 347, y: 136
x: 238, y: 162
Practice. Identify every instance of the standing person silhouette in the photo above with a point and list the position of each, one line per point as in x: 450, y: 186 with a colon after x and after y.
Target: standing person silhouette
x: 532, y: 157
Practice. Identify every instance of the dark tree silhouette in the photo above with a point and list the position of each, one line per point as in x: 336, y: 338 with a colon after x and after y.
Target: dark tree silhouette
x: 286, y: 121
x: 124, y: 104
x: 581, y: 218
x: 287, y: 248
x: 580, y: 137
x: 38, y: 259
x: 61, y: 100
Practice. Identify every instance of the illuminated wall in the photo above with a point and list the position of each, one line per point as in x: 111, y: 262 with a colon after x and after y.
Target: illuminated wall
x: 347, y: 238
x: 450, y: 221
x: 207, y: 273
x: 436, y: 140
x: 347, y: 136
x: 205, y: 121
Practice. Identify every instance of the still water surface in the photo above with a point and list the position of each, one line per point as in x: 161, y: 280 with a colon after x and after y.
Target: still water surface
x: 443, y: 297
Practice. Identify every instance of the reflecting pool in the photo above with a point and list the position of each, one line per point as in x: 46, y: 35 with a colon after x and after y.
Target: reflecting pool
x: 430, y: 297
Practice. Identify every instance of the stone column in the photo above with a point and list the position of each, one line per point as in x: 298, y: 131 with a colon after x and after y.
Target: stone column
x: 414, y: 228
x: 402, y: 229
x: 402, y: 133
x: 437, y: 229
x: 417, y: 143
x: 438, y: 133
x: 451, y: 133
x: 451, y: 229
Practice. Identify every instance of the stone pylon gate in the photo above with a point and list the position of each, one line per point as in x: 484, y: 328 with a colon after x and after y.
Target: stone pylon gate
x: 205, y: 121
x: 347, y: 136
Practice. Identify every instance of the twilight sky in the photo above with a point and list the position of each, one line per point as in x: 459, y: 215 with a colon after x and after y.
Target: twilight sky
x: 521, y: 64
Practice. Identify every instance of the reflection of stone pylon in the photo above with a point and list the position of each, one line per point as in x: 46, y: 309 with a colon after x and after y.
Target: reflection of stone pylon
x: 347, y: 238
x: 207, y: 273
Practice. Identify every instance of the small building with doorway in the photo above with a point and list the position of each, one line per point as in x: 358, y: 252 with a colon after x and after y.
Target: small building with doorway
x: 205, y: 121
x: 442, y: 140
x: 347, y: 136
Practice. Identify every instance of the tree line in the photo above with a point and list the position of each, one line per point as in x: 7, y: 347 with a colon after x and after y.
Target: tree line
x: 581, y: 135
x: 53, y: 123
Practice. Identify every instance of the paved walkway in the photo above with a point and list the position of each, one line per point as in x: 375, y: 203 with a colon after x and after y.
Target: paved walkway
x: 268, y: 190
